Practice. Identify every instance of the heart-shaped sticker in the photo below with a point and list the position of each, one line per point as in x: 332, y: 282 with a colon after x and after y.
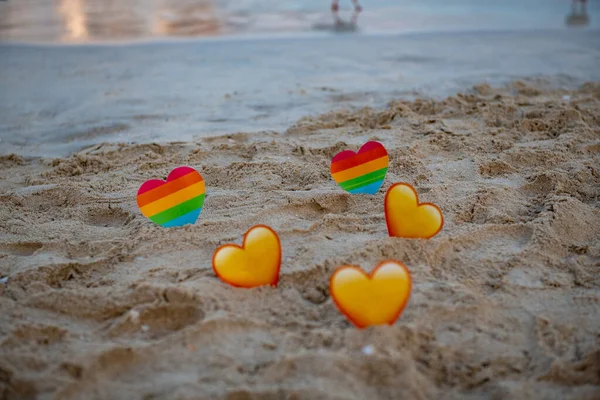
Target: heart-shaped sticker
x: 361, y: 172
x: 175, y: 202
x: 255, y: 263
x: 375, y: 299
x: 406, y: 217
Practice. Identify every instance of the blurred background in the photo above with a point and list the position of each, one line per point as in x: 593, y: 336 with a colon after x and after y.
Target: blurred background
x: 109, y: 20
x: 79, y: 72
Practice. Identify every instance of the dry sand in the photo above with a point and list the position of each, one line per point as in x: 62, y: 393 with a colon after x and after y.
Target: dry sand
x: 96, y: 302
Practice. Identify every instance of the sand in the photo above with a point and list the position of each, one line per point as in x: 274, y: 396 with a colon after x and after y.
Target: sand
x: 96, y: 302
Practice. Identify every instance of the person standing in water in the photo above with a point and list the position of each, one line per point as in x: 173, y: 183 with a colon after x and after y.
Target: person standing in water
x: 335, y: 8
x: 580, y: 17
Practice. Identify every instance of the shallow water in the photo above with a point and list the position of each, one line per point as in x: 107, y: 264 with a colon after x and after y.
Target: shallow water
x: 82, y: 21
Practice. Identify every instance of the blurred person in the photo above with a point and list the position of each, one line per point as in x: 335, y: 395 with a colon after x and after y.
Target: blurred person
x: 335, y: 8
x: 578, y: 17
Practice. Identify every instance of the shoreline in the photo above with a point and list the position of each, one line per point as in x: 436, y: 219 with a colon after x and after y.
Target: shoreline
x: 60, y: 99
x: 293, y: 36
x: 535, y: 83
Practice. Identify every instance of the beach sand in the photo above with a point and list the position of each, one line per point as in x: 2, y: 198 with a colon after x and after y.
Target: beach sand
x: 97, y: 302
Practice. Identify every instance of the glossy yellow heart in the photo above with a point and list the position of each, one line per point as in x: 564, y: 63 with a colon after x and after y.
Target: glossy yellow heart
x: 406, y: 217
x: 374, y: 299
x: 255, y: 263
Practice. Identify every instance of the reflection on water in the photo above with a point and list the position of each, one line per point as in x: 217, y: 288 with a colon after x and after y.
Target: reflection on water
x: 95, y: 20
x: 109, y: 20
x: 75, y: 20
x: 190, y: 18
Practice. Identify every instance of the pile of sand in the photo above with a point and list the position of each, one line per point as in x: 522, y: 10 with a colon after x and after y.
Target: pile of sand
x: 97, y: 302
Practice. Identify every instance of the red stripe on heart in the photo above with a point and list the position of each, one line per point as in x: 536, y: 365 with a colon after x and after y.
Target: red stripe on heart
x: 347, y: 159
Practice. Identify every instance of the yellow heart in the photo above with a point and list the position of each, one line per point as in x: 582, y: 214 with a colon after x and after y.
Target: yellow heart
x: 406, y: 217
x: 255, y: 263
x: 374, y: 299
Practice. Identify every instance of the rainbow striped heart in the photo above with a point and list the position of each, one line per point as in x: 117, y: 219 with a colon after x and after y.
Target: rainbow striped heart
x: 176, y: 202
x: 361, y: 172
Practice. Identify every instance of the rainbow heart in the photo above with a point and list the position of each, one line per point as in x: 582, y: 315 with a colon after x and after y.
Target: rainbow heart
x: 176, y: 202
x: 361, y: 172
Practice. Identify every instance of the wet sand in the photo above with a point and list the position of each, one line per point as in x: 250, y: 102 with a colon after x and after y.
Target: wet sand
x: 96, y: 302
